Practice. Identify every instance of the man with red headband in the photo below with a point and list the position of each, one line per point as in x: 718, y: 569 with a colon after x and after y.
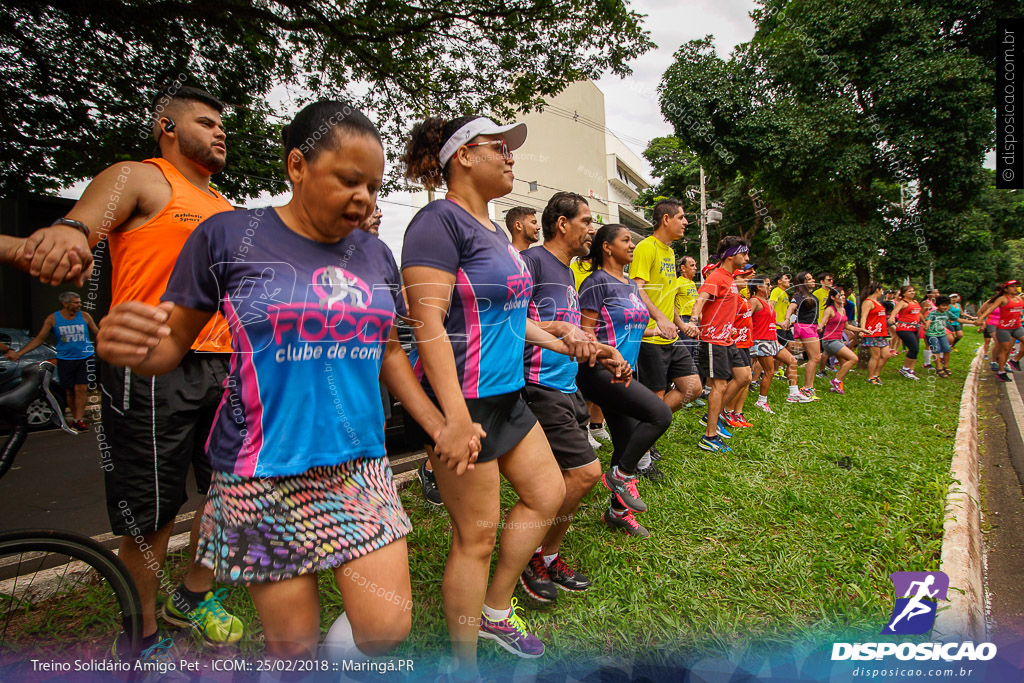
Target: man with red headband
x: 714, y: 314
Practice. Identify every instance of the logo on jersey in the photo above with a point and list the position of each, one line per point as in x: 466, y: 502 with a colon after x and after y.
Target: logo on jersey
x: 572, y: 299
x: 519, y: 286
x: 334, y: 284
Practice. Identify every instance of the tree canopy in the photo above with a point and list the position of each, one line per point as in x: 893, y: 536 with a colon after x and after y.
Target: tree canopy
x: 832, y: 107
x: 77, y: 79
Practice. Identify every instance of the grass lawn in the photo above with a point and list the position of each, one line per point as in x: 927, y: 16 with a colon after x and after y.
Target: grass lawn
x: 776, y: 543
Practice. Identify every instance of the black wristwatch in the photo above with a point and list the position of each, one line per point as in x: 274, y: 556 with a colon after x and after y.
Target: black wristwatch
x: 74, y: 224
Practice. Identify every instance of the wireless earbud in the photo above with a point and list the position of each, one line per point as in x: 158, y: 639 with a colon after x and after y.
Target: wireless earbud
x: 169, y: 126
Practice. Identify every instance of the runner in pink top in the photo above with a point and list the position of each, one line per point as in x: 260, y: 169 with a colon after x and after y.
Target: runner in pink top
x: 989, y: 331
x: 833, y: 324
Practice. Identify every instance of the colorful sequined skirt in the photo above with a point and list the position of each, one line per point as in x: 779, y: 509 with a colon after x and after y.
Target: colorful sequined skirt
x: 256, y: 530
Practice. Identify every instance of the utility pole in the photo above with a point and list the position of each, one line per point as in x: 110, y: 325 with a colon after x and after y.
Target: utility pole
x: 703, y: 223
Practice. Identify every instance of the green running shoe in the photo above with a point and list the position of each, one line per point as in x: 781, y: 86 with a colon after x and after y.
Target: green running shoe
x: 209, y: 618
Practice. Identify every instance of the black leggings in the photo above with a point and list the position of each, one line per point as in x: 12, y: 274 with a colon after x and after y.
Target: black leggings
x: 636, y: 416
x: 911, y: 341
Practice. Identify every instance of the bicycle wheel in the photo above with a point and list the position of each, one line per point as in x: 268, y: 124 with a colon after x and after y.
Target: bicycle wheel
x: 63, y: 597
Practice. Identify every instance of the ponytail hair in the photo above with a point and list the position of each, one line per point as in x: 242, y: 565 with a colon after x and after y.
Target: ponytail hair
x: 595, y: 259
x: 423, y: 150
x: 869, y: 290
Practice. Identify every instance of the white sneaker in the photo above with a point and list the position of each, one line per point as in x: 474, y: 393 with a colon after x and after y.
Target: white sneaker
x: 601, y: 434
x: 799, y: 398
x: 594, y: 443
x: 765, y: 407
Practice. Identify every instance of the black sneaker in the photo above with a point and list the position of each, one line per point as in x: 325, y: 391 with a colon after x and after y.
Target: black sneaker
x: 655, y: 453
x: 536, y: 582
x: 567, y: 578
x: 627, y: 522
x: 429, y: 484
x: 652, y: 473
x: 623, y: 487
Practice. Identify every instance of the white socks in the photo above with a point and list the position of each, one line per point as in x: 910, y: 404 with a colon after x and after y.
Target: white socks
x: 496, y: 614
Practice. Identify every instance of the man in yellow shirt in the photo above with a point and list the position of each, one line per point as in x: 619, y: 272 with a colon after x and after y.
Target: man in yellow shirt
x: 686, y: 296
x: 779, y: 298
x: 825, y: 282
x: 664, y: 360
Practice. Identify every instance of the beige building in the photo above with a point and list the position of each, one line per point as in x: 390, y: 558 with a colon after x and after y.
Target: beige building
x: 568, y: 148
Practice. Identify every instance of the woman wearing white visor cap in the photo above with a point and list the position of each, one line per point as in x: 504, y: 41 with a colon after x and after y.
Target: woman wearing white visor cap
x: 468, y: 292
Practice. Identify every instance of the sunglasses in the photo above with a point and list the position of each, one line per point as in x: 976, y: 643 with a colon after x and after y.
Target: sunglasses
x: 506, y: 153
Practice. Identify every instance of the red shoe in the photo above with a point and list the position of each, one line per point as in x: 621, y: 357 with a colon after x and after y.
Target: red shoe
x: 729, y: 418
x: 742, y: 420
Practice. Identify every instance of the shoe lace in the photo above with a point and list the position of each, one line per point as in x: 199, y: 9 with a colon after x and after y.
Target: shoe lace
x: 516, y: 621
x: 212, y: 605
x: 559, y: 567
x: 629, y: 519
x: 631, y: 486
x: 157, y: 652
x: 540, y: 570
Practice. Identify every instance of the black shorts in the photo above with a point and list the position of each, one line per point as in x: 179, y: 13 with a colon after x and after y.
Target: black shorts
x: 504, y: 417
x: 659, y: 364
x: 784, y: 336
x: 71, y: 373
x: 716, y: 362
x: 565, y: 420
x: 740, y: 357
x: 153, y: 430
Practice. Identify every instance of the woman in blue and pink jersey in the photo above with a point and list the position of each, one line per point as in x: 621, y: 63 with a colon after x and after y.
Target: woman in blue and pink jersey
x: 300, y: 482
x: 612, y: 310
x: 468, y: 291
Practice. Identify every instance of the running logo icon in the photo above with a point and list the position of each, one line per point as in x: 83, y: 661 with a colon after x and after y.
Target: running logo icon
x: 917, y: 596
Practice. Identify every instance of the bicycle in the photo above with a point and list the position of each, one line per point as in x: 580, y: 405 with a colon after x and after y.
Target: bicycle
x: 44, y: 572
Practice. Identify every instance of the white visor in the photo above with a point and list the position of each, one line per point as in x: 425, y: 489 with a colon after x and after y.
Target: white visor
x: 515, y: 136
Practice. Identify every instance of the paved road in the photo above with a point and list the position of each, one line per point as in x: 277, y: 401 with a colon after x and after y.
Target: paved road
x: 56, y: 482
x: 1002, y: 422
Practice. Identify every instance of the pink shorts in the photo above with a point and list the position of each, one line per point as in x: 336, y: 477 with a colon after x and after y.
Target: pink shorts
x: 805, y: 331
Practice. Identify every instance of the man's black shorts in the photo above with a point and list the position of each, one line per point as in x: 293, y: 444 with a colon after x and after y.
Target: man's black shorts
x: 659, y: 364
x: 76, y: 371
x: 153, y: 430
x: 716, y: 362
x: 784, y: 336
x: 565, y: 420
x: 740, y: 357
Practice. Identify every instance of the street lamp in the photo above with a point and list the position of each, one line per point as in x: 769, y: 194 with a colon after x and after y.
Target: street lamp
x: 707, y: 217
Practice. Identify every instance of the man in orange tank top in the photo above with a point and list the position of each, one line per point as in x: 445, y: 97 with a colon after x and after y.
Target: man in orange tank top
x: 154, y: 428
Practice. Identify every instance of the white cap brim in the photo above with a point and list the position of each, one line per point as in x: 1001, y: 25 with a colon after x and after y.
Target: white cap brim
x: 514, y: 135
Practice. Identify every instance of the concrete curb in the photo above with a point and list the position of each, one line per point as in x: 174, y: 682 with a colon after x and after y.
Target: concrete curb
x: 962, y: 560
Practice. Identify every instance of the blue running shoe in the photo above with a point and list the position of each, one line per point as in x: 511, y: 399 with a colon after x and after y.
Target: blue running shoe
x: 713, y: 444
x: 723, y: 430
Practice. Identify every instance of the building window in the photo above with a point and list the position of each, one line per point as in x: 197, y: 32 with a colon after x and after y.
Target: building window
x: 533, y: 186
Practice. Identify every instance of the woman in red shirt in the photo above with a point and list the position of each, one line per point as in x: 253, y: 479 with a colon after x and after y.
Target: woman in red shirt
x: 1010, y: 305
x: 743, y: 337
x: 766, y: 348
x: 908, y: 319
x: 876, y: 332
